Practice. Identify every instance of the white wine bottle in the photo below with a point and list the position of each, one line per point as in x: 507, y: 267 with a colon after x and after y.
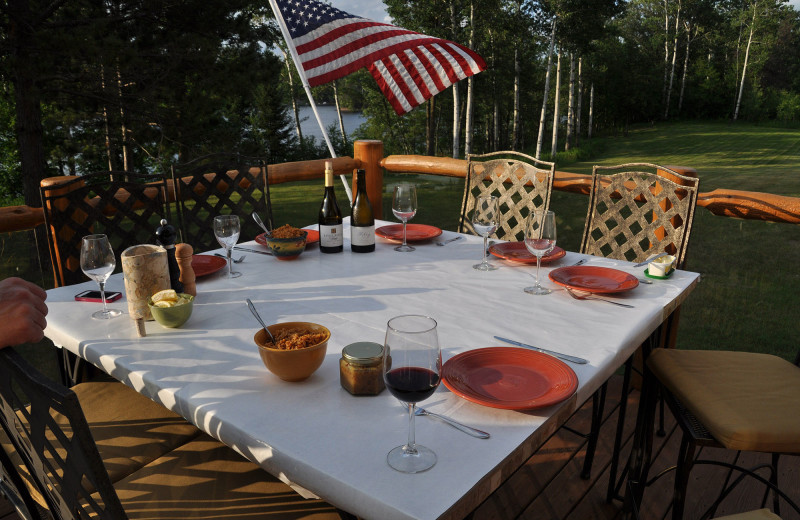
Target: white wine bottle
x: 331, y: 239
x: 362, y: 221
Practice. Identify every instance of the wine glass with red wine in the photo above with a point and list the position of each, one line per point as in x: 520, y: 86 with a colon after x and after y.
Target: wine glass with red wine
x: 412, y: 368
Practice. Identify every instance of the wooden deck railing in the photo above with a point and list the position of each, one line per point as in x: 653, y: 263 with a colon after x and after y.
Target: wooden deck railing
x: 369, y: 155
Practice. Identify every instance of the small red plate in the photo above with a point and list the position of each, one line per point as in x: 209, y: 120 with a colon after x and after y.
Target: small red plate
x: 509, y: 378
x: 594, y: 279
x: 205, y: 265
x: 414, y: 232
x: 311, y: 238
x: 517, y: 252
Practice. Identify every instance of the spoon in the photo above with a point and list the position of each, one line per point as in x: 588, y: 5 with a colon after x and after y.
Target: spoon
x: 444, y: 242
x: 255, y: 313
x: 261, y: 223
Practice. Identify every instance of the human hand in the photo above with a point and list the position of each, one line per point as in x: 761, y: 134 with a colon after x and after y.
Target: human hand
x: 22, y: 312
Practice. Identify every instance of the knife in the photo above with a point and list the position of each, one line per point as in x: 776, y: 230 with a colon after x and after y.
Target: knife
x: 239, y: 248
x: 659, y: 255
x: 559, y: 355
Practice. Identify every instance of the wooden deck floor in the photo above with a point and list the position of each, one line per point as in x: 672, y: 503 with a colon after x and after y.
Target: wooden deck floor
x: 549, y: 486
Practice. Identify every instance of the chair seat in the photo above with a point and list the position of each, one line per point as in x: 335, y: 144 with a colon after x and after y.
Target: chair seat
x: 129, y: 429
x: 747, y: 401
x: 206, y: 479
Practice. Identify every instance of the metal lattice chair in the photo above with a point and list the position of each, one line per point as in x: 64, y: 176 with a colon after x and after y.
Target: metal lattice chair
x: 221, y: 184
x: 201, y: 478
x: 126, y: 207
x: 635, y: 210
x: 521, y: 182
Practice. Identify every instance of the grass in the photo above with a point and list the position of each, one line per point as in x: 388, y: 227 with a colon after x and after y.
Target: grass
x: 747, y: 299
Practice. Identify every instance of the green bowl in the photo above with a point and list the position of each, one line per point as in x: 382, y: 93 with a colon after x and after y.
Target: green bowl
x: 172, y: 317
x: 287, y: 248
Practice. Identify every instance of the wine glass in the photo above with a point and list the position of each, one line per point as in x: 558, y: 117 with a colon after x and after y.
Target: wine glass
x: 484, y: 220
x: 98, y: 262
x: 412, y: 367
x: 540, y: 239
x: 404, y: 207
x: 226, y: 229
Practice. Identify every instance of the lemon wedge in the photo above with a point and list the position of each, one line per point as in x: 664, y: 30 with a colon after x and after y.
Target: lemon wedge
x: 167, y: 295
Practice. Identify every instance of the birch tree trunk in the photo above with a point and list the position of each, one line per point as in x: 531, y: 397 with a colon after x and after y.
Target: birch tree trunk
x: 496, y: 124
x: 469, y: 123
x: 674, y: 59
x: 106, y: 123
x: 746, y: 57
x: 540, y: 139
x: 591, y: 111
x: 666, y: 49
x: 571, y: 104
x: 293, y: 95
x: 123, y: 128
x: 456, y: 101
x: 685, y: 64
x: 554, y: 146
x: 580, y: 102
x: 430, y: 134
x: 515, y: 125
x: 339, y: 112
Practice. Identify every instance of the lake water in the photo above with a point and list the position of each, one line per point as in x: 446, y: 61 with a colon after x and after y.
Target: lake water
x: 309, y: 126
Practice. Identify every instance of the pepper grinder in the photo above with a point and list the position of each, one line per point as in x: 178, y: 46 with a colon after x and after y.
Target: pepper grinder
x: 165, y: 236
x: 183, y: 255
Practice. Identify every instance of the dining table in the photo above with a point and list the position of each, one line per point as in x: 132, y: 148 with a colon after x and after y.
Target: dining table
x: 319, y: 438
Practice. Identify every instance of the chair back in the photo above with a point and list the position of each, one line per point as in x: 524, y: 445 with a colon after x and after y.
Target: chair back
x: 221, y: 184
x: 126, y: 207
x: 47, y: 427
x: 521, y: 182
x: 637, y: 210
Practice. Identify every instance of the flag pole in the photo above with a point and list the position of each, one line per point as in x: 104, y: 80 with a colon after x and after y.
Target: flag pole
x: 288, y: 39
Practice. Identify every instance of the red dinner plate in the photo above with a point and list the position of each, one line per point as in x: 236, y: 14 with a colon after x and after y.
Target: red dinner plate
x: 414, y: 232
x: 594, y: 279
x: 205, y: 265
x: 517, y: 252
x: 311, y: 238
x: 509, y: 378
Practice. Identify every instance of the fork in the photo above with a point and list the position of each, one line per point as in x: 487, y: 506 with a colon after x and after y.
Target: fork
x: 236, y: 261
x: 590, y: 296
x: 445, y: 242
x: 469, y: 430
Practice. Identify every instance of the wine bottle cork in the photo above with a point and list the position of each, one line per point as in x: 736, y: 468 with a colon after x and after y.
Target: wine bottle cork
x: 183, y: 254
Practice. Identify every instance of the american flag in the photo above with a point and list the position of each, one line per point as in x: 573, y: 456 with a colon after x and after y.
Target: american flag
x: 409, y: 67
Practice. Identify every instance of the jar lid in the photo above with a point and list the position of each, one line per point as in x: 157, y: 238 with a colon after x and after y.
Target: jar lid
x: 363, y: 352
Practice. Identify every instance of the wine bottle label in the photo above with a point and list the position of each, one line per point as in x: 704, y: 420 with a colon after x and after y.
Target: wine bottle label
x: 331, y: 236
x: 362, y: 236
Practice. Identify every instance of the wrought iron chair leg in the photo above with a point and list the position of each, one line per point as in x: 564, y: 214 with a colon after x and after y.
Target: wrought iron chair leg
x: 685, y: 462
x: 598, y: 404
x: 613, y: 485
x: 776, y: 501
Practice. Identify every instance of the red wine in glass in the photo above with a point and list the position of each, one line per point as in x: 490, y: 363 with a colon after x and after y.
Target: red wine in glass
x: 412, y: 367
x: 412, y: 384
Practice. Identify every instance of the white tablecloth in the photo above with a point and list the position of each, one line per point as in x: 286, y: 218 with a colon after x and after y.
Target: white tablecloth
x: 314, y: 434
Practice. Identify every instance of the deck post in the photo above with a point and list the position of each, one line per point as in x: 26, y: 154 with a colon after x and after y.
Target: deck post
x: 369, y: 154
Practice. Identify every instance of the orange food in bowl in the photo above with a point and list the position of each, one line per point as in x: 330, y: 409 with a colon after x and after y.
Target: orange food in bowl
x: 305, y: 345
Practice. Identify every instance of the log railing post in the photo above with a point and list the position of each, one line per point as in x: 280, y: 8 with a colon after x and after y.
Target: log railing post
x: 369, y: 154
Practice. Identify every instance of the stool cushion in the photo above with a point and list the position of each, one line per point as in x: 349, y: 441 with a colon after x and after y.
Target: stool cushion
x: 747, y: 401
x: 758, y: 514
x: 206, y: 479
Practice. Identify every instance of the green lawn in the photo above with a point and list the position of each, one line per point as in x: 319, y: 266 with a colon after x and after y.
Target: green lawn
x: 747, y: 299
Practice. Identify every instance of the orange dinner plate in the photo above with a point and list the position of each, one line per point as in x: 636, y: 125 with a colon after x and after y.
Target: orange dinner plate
x: 517, y: 252
x: 204, y: 265
x: 594, y: 279
x: 509, y: 378
x: 414, y: 232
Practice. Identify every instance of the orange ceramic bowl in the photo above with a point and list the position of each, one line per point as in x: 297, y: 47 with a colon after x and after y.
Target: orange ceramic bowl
x: 292, y: 365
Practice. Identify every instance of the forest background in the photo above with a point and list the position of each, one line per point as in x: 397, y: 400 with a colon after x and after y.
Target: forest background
x: 137, y: 85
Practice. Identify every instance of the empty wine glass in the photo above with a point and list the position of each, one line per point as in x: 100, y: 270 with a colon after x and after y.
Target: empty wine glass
x: 226, y: 229
x: 98, y: 262
x: 484, y: 220
x: 412, y: 367
x: 540, y: 239
x: 404, y: 207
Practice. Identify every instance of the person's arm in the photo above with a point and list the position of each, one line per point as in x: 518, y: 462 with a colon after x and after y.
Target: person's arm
x: 22, y: 312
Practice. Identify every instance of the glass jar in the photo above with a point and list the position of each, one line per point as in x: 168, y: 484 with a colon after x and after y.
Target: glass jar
x: 361, y: 368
